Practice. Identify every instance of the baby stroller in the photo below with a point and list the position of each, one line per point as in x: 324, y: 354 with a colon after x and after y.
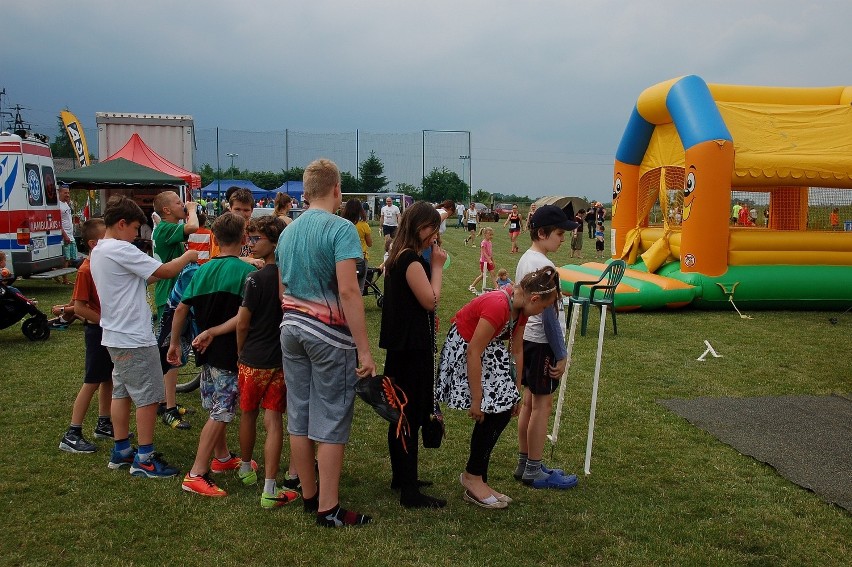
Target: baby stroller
x: 14, y: 306
x: 370, y: 287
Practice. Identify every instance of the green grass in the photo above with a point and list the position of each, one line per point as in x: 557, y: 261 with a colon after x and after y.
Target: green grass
x: 661, y: 491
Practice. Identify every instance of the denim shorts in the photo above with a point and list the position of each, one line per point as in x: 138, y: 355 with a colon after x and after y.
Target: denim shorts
x: 320, y: 382
x: 219, y: 393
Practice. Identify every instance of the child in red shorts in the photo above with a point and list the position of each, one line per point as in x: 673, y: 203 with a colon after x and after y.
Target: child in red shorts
x: 261, y: 377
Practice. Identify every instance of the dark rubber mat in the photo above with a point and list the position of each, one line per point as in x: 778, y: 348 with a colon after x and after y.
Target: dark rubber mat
x: 807, y: 439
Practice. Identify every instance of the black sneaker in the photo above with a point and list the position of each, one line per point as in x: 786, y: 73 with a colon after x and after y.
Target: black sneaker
x: 73, y: 443
x: 182, y: 410
x: 58, y: 324
x: 292, y: 483
x: 173, y: 419
x: 103, y: 430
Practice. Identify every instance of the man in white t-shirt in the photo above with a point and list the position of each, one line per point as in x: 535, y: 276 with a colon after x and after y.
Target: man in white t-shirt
x: 390, y: 218
x: 121, y: 273
x: 460, y: 214
x: 69, y: 247
x: 545, y: 355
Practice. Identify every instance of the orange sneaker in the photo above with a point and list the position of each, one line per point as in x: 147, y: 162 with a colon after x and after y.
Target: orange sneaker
x: 233, y: 463
x: 203, y: 485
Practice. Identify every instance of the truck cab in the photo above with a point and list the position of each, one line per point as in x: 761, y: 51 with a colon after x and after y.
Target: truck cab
x: 30, y: 221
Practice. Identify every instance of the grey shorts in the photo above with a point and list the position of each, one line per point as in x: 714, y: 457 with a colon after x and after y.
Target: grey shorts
x: 136, y: 375
x: 320, y: 382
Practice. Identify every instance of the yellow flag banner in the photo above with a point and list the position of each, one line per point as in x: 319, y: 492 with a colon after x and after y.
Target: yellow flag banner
x: 78, y: 138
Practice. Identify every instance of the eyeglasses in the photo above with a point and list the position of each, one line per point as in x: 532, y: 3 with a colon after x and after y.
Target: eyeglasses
x: 254, y: 239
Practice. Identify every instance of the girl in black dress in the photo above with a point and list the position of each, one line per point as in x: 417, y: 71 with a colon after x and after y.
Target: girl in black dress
x: 412, y: 291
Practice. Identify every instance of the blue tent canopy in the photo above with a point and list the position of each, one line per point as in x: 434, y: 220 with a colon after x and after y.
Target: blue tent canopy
x: 212, y: 191
x: 295, y: 189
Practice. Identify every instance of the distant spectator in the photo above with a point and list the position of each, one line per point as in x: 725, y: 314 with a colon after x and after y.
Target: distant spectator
x: 283, y: 204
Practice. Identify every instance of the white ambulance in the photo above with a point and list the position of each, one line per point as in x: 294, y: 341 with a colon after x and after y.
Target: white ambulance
x: 30, y: 222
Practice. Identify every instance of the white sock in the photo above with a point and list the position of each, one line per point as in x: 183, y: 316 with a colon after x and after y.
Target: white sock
x: 245, y: 466
x: 269, y: 486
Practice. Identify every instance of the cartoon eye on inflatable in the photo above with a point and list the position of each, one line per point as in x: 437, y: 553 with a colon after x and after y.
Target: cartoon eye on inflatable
x: 690, y: 184
x: 616, y: 191
x: 688, y: 195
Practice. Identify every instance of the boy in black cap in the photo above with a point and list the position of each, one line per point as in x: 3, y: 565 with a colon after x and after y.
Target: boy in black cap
x: 545, y: 356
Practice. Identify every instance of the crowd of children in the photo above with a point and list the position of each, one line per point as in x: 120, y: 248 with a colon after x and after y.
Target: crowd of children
x: 267, y: 337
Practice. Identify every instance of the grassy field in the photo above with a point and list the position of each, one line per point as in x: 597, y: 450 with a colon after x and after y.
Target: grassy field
x: 661, y: 492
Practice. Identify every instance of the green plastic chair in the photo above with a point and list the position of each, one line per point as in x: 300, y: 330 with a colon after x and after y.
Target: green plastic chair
x: 611, y: 276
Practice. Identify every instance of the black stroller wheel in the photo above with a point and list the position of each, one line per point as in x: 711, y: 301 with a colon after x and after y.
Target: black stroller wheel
x: 380, y: 301
x: 36, y: 329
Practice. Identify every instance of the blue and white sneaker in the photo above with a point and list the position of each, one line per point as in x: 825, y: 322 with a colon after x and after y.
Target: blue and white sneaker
x: 155, y: 467
x: 117, y: 461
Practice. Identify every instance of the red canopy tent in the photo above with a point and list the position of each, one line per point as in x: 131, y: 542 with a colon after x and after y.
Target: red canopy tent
x: 136, y: 150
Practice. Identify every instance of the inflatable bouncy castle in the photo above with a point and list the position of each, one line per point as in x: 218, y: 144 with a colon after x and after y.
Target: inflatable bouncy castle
x: 726, y: 193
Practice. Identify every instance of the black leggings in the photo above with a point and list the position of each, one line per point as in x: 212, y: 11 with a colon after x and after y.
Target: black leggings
x: 482, y: 441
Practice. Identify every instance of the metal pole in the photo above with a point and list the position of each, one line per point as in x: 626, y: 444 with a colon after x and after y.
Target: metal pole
x: 218, y: 176
x: 469, y: 166
x: 587, y: 465
x: 554, y: 435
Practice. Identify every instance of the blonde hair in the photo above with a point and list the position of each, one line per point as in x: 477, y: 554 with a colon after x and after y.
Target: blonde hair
x: 161, y: 201
x: 320, y: 177
x: 502, y: 273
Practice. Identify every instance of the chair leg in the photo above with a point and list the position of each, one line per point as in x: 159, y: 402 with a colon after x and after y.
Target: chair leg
x: 585, y: 314
x: 614, y: 324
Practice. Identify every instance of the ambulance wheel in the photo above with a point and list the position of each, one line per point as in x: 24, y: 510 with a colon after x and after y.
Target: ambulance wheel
x: 36, y: 329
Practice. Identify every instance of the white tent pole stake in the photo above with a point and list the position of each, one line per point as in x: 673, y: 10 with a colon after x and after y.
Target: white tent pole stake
x: 554, y: 436
x: 586, y: 467
x: 709, y: 350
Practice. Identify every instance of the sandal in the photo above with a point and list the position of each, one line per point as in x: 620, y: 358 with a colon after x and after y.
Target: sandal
x: 502, y: 497
x: 490, y: 503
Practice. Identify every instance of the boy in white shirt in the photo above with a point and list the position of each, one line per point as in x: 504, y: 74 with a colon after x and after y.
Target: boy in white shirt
x: 122, y: 273
x: 545, y: 356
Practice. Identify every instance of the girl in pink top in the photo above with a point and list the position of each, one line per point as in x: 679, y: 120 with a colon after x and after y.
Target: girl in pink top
x: 486, y: 260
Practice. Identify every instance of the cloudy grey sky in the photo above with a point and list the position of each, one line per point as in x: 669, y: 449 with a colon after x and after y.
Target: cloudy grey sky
x: 545, y: 87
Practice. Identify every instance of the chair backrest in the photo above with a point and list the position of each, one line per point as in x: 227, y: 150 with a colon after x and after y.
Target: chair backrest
x: 613, y: 274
